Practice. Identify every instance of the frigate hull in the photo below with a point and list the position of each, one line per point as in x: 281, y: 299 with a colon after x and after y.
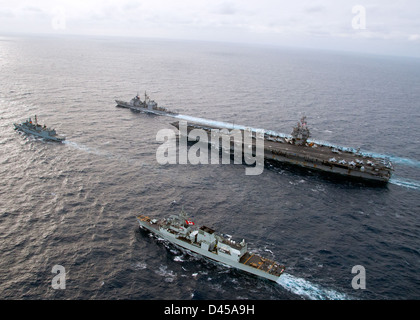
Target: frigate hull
x: 39, y: 133
x: 245, y: 261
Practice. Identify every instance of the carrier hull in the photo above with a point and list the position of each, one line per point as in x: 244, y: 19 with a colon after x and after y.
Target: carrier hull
x: 317, y: 157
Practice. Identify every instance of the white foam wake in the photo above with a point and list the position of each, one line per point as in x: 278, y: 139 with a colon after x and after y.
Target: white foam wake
x: 309, y: 290
x: 408, y: 183
x: 82, y: 147
x: 106, y: 154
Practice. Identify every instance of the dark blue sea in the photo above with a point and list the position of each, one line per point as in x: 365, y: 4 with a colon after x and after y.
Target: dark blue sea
x: 75, y: 204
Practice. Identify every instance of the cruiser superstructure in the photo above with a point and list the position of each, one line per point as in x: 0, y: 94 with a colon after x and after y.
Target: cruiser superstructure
x: 179, y: 230
x: 147, y: 106
x: 32, y: 127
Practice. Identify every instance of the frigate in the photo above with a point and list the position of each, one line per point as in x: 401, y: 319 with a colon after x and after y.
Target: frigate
x: 181, y: 231
x: 34, y: 128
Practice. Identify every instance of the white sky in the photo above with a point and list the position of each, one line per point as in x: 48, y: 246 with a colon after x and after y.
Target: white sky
x: 391, y: 26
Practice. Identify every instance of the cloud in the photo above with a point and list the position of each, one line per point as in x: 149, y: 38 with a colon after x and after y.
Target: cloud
x: 314, y: 9
x: 414, y: 37
x: 226, y: 8
x: 269, y: 21
x: 6, y: 13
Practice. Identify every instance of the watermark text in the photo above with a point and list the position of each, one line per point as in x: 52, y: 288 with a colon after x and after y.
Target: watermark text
x: 245, y: 145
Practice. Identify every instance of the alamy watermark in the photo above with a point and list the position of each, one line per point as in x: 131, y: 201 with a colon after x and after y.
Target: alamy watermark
x: 59, y: 281
x: 359, y: 280
x: 58, y: 21
x: 245, y: 143
x: 359, y: 20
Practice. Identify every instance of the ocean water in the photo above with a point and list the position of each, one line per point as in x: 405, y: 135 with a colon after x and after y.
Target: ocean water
x: 75, y: 204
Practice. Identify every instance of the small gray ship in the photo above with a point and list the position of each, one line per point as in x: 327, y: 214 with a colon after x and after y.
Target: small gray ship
x: 32, y: 127
x: 179, y: 230
x: 296, y: 149
x: 146, y: 106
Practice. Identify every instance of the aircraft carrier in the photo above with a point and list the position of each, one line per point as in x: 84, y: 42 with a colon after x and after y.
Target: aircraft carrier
x: 297, y: 150
x: 179, y: 230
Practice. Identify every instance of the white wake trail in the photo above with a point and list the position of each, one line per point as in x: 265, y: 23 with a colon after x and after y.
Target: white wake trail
x: 408, y: 183
x: 309, y: 290
x: 105, y: 154
x: 83, y: 148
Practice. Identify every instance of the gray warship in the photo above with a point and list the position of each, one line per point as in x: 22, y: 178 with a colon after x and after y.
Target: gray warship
x: 297, y: 149
x: 146, y: 106
x: 179, y: 230
x: 32, y: 127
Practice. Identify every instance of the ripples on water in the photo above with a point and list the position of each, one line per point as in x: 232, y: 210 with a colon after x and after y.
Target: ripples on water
x: 74, y: 204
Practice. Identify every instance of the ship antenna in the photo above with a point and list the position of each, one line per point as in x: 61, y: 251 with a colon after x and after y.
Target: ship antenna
x: 183, y: 214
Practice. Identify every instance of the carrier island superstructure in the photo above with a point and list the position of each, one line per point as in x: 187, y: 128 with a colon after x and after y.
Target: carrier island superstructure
x: 296, y: 149
x: 179, y: 230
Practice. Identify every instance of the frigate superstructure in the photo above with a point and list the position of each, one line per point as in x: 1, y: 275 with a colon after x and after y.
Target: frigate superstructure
x: 34, y: 128
x: 181, y: 231
x: 146, y: 106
